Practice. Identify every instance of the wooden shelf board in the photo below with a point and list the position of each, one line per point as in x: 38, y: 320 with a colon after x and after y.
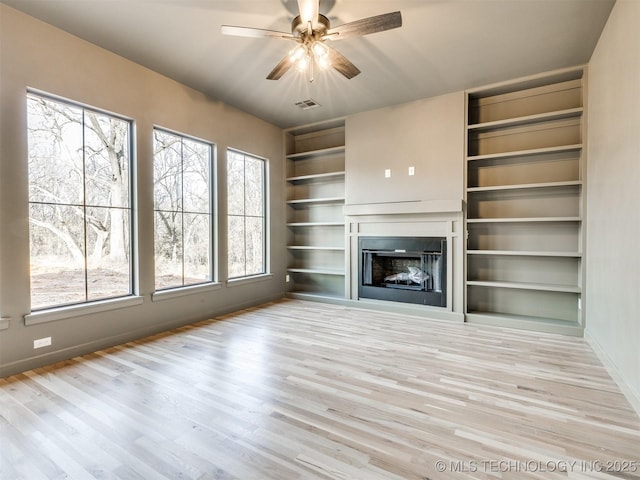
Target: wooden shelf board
x: 316, y: 153
x: 320, y: 271
x: 524, y: 219
x: 316, y: 127
x: 526, y: 153
x: 312, y: 247
x: 525, y: 253
x: 315, y: 224
x: 528, y: 119
x: 306, y: 201
x: 539, y: 324
x: 400, y: 208
x: 527, y: 286
x: 529, y: 82
x: 525, y: 186
x: 313, y: 296
x: 316, y: 176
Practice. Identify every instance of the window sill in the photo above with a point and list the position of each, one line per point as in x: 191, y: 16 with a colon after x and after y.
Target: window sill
x: 184, y: 291
x: 61, y: 313
x: 236, y: 282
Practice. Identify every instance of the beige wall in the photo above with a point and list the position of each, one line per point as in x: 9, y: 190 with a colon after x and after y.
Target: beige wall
x: 39, y: 56
x: 613, y: 196
x: 427, y: 134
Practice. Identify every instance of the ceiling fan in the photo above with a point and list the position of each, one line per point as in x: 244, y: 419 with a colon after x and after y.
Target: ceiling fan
x: 310, y: 29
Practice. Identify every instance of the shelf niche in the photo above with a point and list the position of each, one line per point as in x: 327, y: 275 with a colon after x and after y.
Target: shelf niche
x: 315, y: 176
x: 525, y: 203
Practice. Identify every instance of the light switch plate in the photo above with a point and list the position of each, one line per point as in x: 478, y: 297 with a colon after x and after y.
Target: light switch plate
x: 387, y: 173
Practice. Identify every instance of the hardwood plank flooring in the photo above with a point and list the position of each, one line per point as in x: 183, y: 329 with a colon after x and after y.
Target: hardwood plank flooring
x: 300, y: 390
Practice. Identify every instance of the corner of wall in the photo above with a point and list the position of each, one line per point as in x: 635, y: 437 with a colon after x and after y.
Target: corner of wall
x: 632, y: 396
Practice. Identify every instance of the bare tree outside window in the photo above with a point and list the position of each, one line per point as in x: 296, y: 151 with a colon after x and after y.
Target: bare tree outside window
x: 246, y: 214
x: 79, y: 203
x: 182, y: 210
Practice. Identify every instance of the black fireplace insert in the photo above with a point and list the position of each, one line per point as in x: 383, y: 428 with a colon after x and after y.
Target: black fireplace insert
x: 403, y: 269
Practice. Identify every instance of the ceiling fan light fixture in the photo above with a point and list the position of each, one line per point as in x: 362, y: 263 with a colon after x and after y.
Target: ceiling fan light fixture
x: 323, y: 63
x: 297, y: 53
x: 303, y: 63
x: 320, y: 54
x: 320, y: 50
x: 300, y: 56
x: 310, y: 52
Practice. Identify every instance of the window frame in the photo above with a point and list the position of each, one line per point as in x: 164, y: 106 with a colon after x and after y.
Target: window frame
x: 72, y: 309
x: 252, y: 277
x: 212, y: 283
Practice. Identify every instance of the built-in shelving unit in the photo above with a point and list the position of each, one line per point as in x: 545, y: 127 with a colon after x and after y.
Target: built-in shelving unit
x: 315, y: 177
x: 525, y: 203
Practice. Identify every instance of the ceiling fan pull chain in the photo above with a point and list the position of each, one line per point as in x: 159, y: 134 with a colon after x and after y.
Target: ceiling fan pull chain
x: 311, y: 62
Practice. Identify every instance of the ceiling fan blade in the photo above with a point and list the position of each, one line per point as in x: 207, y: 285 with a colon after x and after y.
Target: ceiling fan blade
x: 365, y: 26
x: 309, y: 10
x: 341, y: 64
x: 252, y: 32
x: 280, y: 69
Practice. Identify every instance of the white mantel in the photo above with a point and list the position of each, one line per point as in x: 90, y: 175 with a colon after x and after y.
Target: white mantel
x: 399, y: 208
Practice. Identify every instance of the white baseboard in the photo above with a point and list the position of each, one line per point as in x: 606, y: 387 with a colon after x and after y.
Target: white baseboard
x: 632, y: 396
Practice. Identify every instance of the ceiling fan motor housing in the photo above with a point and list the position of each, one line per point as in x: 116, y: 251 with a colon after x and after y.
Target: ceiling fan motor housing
x: 319, y: 29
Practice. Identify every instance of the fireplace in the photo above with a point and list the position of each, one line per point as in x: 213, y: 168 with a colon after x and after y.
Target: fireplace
x: 403, y: 269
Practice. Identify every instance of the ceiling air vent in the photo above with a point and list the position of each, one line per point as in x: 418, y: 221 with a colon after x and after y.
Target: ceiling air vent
x: 307, y: 104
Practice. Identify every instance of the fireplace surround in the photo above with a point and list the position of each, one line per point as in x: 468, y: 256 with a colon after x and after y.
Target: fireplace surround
x: 440, y: 219
x: 403, y: 269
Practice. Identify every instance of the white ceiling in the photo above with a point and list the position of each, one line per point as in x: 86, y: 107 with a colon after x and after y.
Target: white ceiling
x: 443, y: 46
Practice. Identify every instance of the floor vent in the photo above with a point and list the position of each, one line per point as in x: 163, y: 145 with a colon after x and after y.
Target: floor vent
x: 307, y: 104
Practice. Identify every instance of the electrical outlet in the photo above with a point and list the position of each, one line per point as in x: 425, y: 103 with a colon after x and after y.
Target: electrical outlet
x: 42, y: 342
x: 412, y: 171
x: 387, y: 173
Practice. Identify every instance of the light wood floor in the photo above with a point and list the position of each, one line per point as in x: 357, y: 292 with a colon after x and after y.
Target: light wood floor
x: 299, y: 390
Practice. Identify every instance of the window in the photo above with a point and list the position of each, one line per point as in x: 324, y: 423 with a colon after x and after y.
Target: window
x: 182, y: 210
x: 79, y: 203
x: 246, y: 214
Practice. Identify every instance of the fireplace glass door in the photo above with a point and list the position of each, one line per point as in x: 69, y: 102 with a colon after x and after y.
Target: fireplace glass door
x: 411, y: 270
